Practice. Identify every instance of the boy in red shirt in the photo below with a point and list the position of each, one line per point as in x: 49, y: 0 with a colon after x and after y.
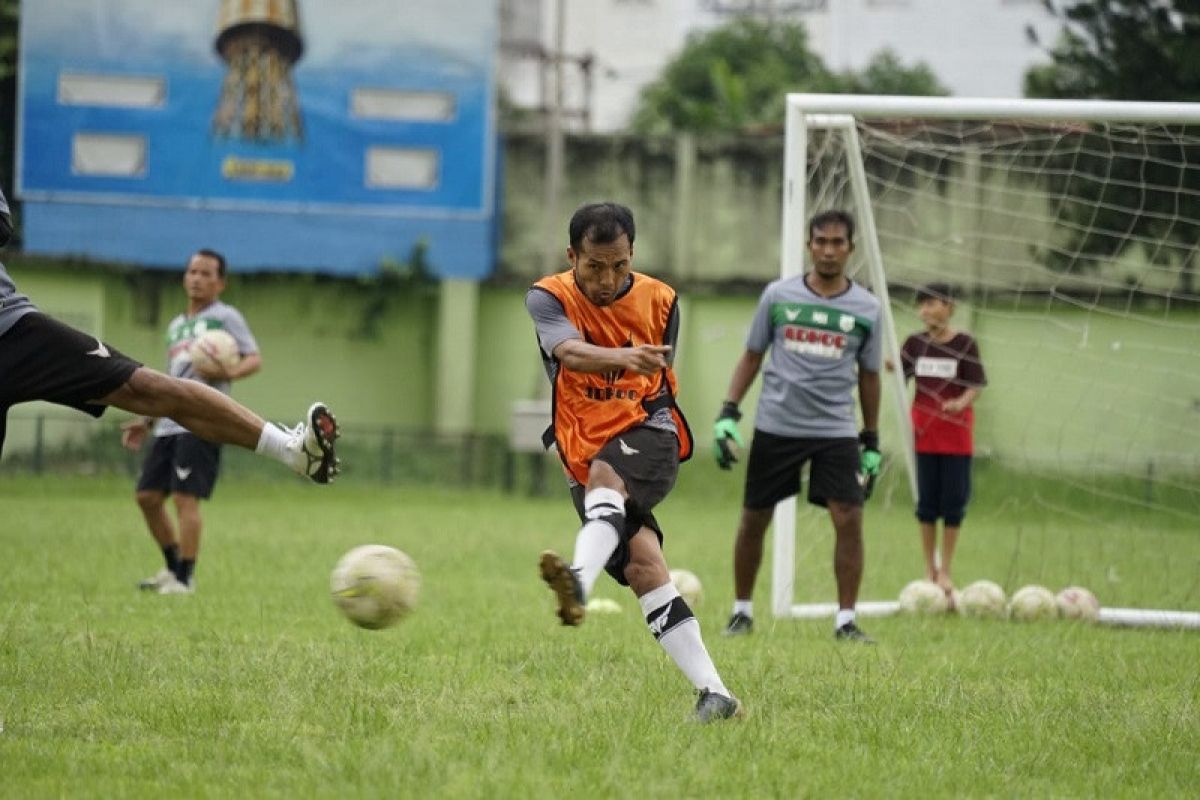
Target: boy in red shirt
x: 949, y: 375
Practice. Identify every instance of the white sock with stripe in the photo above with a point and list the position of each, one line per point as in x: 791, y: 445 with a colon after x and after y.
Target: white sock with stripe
x: 678, y: 631
x: 598, y: 537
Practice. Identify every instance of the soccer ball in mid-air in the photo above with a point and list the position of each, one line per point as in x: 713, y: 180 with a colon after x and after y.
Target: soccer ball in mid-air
x: 375, y: 586
x: 688, y: 584
x: 923, y: 597
x: 215, y: 346
x: 1076, y: 602
x: 982, y: 599
x: 1030, y: 603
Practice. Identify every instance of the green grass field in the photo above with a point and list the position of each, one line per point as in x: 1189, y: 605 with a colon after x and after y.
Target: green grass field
x: 256, y: 687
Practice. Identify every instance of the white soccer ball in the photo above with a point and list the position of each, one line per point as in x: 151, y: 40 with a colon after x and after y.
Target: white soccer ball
x: 1030, y: 603
x: 1076, y: 602
x: 375, y: 586
x: 983, y: 599
x: 603, y: 605
x: 689, y: 586
x: 923, y: 597
x: 215, y: 346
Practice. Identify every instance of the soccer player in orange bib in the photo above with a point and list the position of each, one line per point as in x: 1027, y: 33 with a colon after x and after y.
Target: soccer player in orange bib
x: 607, y: 337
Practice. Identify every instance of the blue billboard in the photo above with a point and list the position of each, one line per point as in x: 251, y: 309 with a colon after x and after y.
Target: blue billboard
x: 310, y: 135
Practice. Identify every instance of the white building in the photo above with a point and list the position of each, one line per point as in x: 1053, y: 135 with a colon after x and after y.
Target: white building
x: 976, y: 48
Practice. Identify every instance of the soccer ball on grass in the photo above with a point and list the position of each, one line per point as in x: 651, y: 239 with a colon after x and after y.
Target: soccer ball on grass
x: 689, y: 586
x: 923, y: 597
x: 1031, y: 603
x: 1076, y: 602
x: 982, y: 599
x: 375, y: 586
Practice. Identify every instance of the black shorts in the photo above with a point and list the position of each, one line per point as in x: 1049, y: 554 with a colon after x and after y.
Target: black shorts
x: 773, y: 470
x: 181, y: 464
x: 43, y: 359
x: 647, y: 459
x: 943, y: 487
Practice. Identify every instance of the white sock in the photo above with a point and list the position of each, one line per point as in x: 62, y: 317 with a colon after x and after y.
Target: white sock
x: 597, y: 538
x: 678, y: 632
x: 273, y: 442
x: 844, y: 617
x: 744, y: 607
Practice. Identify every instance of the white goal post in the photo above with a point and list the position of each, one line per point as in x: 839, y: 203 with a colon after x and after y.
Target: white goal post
x: 818, y: 114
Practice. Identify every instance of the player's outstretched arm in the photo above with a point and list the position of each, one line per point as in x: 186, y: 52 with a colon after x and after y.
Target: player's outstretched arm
x: 579, y: 356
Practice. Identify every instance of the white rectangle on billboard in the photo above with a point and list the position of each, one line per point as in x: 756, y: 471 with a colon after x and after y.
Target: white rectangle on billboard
x: 394, y: 104
x: 108, y: 155
x: 401, y: 168
x: 117, y: 91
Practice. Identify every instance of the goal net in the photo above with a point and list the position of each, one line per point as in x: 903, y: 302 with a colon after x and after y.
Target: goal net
x: 1069, y: 232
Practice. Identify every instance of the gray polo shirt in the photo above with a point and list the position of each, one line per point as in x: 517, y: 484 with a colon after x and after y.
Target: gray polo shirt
x: 817, y: 346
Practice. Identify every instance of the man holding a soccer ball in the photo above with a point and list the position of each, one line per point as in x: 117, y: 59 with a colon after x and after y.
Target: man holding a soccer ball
x: 180, y: 464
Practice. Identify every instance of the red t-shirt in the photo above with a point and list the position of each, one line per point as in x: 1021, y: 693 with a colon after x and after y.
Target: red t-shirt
x: 943, y: 371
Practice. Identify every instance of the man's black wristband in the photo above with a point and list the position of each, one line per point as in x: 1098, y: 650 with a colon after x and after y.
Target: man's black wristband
x: 869, y: 440
x: 729, y: 410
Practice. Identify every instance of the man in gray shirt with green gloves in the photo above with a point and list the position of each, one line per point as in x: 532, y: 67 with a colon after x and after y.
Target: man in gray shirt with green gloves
x: 43, y: 359
x: 823, y: 333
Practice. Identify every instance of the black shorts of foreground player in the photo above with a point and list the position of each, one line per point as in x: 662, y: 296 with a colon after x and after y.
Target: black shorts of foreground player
x: 607, y: 336
x: 43, y: 359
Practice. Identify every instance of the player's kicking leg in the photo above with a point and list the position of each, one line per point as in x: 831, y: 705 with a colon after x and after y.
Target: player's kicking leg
x: 603, y: 512
x: 308, y: 448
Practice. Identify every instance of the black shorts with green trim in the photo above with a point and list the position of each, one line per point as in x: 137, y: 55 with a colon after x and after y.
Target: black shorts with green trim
x: 773, y: 470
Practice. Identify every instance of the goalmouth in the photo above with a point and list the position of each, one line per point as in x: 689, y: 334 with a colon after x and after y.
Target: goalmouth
x: 1086, y: 211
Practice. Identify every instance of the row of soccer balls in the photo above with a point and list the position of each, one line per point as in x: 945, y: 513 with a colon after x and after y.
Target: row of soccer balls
x: 376, y: 586
x: 987, y: 599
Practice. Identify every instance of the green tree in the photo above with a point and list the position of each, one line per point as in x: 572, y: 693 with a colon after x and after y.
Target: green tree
x: 1121, y: 50
x: 732, y: 78
x: 886, y: 74
x: 735, y: 77
x: 1124, y: 50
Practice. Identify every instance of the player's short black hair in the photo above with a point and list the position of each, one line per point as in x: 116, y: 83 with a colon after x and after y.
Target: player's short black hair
x: 835, y: 216
x: 935, y: 291
x: 601, y: 223
x: 215, y: 256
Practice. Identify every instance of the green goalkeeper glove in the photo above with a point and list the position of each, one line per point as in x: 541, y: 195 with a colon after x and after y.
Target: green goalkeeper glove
x: 870, y: 463
x: 724, y: 431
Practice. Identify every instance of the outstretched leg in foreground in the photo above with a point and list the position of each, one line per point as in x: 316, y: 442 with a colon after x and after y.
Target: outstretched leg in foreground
x: 308, y: 448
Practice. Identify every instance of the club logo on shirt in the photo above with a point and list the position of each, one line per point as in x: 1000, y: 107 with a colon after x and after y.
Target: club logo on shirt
x: 846, y: 323
x: 814, y: 341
